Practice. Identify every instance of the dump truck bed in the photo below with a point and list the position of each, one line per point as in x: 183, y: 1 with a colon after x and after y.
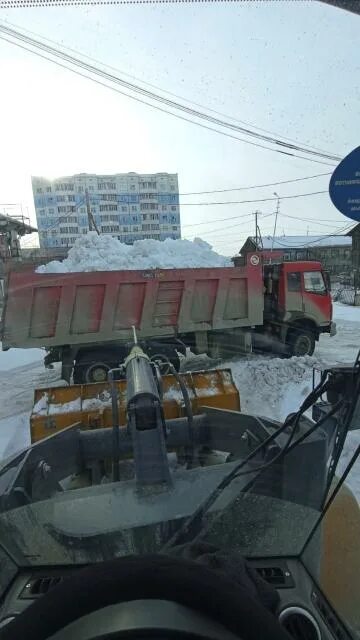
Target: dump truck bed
x: 50, y: 310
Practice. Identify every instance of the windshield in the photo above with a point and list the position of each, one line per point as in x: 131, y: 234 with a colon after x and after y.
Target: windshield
x: 178, y: 288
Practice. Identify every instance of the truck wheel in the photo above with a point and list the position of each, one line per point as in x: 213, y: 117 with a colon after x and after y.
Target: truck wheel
x: 164, y: 359
x: 302, y: 342
x: 92, y: 367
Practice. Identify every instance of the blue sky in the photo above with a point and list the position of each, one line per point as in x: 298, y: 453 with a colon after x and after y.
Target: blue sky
x: 288, y: 67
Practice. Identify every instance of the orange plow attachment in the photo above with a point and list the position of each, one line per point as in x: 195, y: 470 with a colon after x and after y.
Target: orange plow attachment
x: 57, y: 408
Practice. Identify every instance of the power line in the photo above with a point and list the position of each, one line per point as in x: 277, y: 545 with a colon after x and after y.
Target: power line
x: 321, y: 224
x: 153, y: 96
x: 174, y: 95
x: 255, y: 186
x: 230, y: 232
x: 298, y: 195
x: 341, y: 232
x: 240, y: 224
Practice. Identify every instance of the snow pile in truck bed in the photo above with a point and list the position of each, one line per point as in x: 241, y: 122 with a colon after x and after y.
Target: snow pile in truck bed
x: 105, y: 253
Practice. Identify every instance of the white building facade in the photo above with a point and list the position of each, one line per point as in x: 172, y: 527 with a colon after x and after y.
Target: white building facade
x: 129, y: 206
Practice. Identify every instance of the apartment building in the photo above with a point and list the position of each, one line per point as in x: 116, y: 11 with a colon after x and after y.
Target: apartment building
x: 129, y: 206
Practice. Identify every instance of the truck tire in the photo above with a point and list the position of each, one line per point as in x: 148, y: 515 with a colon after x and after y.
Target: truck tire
x: 93, y: 367
x: 301, y: 342
x: 164, y: 357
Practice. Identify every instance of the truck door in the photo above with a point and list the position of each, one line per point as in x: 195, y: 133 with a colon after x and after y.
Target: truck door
x: 316, y: 298
x: 293, y: 293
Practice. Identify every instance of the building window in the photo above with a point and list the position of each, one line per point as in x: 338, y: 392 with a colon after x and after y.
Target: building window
x: 106, y: 185
x: 80, y: 189
x: 64, y: 186
x: 108, y: 207
x: 132, y: 187
x: 48, y: 189
x: 39, y: 190
x: 164, y: 207
x: 134, y: 208
x: 69, y: 230
x: 152, y: 206
x: 154, y: 227
x: 173, y: 208
x: 108, y: 196
x: 124, y: 208
x: 71, y: 198
x: 148, y: 196
x: 147, y: 185
x: 172, y: 187
x: 51, y: 211
x: 175, y: 228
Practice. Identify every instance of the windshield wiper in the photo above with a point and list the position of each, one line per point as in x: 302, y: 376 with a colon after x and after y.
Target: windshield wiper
x: 194, y: 523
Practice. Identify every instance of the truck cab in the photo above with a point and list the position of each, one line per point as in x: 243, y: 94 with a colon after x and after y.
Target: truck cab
x: 297, y: 304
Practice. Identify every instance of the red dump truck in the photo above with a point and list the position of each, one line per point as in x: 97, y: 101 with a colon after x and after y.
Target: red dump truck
x: 84, y: 320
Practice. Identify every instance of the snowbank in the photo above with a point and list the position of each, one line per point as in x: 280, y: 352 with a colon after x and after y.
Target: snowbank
x: 346, y: 312
x: 19, y: 357
x: 272, y: 387
x: 105, y: 253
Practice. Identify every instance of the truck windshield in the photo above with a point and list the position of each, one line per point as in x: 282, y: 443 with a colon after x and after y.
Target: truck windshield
x: 314, y: 282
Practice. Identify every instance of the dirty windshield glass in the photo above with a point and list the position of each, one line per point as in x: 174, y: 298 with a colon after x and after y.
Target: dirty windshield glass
x: 179, y: 294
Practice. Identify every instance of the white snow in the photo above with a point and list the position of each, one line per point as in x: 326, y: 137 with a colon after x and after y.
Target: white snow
x: 105, y: 253
x: 41, y: 406
x: 346, y: 312
x: 19, y: 357
x: 272, y: 387
x: 175, y: 393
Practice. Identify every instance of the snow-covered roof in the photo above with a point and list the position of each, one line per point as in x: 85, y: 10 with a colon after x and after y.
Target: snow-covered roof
x: 304, y: 242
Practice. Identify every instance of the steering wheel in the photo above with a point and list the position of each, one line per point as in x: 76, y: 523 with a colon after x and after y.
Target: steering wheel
x: 218, y: 603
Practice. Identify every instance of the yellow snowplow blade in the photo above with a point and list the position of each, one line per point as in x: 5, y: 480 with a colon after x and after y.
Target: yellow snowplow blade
x: 56, y: 408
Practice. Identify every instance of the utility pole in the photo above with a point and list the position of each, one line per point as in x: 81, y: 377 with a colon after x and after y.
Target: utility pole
x: 256, y: 214
x: 276, y: 217
x: 87, y: 200
x: 91, y: 221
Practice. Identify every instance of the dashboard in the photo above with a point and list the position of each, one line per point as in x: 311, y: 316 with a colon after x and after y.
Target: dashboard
x: 303, y: 609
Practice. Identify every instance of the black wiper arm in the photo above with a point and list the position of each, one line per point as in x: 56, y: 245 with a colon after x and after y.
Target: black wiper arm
x: 195, y: 521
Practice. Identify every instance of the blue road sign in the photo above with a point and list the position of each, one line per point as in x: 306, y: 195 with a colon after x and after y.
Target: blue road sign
x: 344, y: 187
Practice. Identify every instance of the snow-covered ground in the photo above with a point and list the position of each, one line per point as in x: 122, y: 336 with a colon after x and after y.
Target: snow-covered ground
x: 270, y: 386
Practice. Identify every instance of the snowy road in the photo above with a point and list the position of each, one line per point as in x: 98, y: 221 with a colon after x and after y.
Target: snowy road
x: 269, y: 386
